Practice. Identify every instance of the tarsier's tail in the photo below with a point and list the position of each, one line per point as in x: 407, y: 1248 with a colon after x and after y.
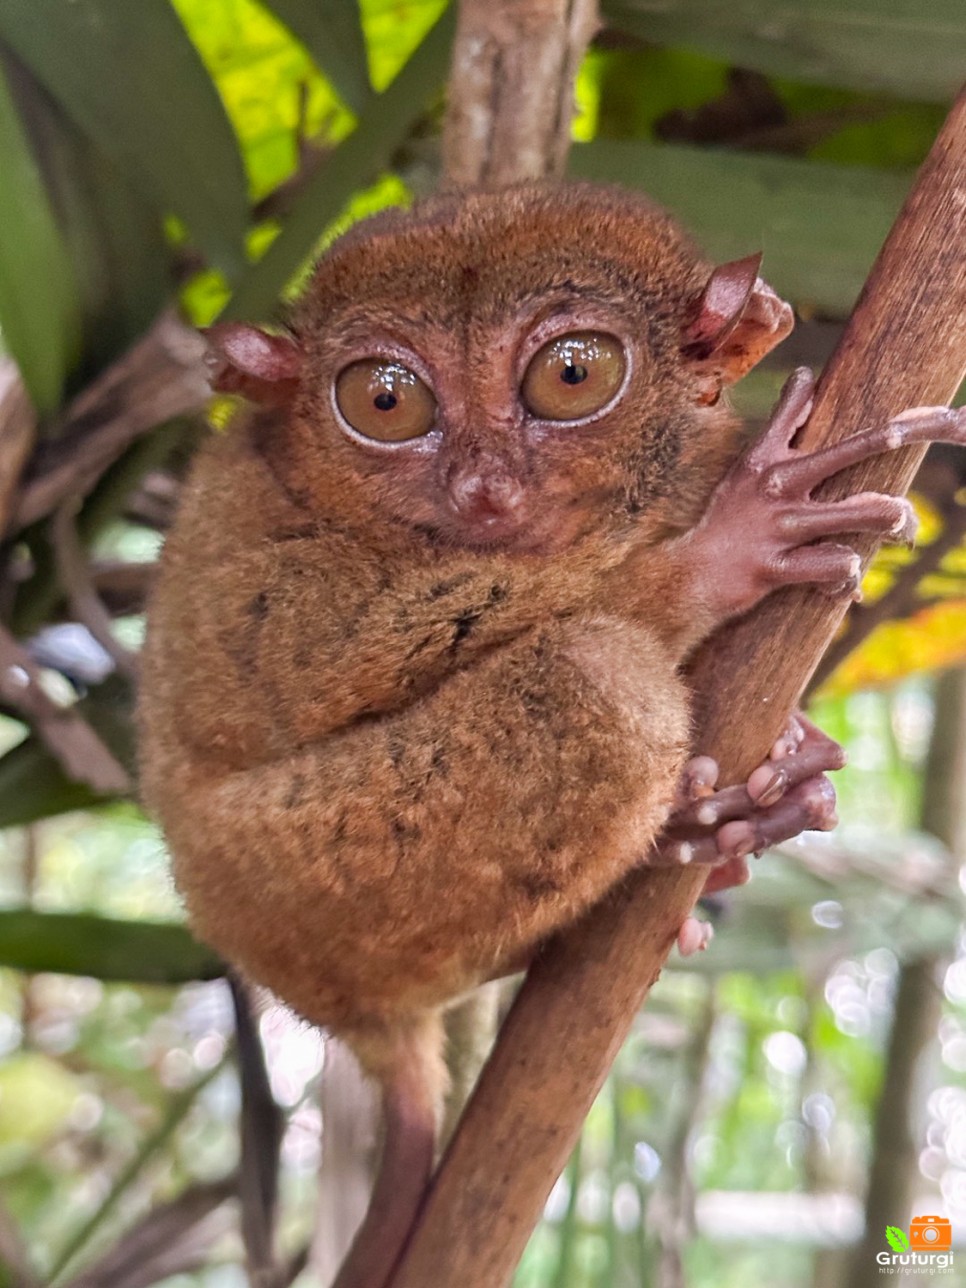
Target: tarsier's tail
x: 407, y: 1062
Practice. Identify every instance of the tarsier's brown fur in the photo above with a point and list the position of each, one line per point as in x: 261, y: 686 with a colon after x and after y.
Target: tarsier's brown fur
x: 391, y: 754
x: 386, y: 764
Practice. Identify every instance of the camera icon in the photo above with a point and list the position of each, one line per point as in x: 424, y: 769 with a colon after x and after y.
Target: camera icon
x: 930, y: 1233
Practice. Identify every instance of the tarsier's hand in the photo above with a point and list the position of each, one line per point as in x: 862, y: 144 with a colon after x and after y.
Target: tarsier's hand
x: 761, y: 521
x: 756, y: 536
x: 787, y: 794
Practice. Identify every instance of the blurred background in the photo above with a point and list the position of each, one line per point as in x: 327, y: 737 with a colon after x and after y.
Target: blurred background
x: 164, y: 162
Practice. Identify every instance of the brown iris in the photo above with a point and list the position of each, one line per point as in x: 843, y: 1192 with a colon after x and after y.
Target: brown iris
x: 383, y: 400
x: 574, y: 376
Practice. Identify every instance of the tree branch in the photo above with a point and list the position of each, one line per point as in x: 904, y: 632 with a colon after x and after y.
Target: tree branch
x: 18, y: 428
x: 69, y: 737
x: 161, y: 377
x: 78, y: 584
x: 511, y: 89
x: 905, y: 344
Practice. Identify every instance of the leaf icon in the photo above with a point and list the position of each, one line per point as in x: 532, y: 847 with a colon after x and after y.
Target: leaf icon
x: 897, y: 1239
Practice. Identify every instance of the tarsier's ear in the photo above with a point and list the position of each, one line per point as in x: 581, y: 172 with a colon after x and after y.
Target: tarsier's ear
x: 259, y: 365
x: 737, y: 319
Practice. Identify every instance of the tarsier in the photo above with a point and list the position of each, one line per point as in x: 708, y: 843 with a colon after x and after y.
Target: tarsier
x: 412, y: 690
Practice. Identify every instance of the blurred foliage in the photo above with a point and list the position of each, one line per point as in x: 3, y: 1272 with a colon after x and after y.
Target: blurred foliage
x: 200, y: 153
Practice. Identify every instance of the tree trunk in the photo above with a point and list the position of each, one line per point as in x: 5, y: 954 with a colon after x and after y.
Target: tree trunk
x: 511, y: 89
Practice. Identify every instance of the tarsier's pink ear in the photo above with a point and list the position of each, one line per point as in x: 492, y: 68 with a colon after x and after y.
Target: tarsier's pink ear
x: 259, y: 365
x: 737, y: 319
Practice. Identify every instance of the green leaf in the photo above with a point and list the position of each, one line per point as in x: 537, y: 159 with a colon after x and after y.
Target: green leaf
x: 33, y: 784
x: 901, y: 47
x: 820, y: 226
x: 138, y: 952
x: 355, y: 162
x: 333, y: 36
x: 114, y: 238
x: 896, y: 1239
x: 39, y: 309
x: 132, y: 80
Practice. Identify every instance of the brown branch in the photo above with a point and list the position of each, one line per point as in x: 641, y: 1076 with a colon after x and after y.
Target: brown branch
x: 155, y: 502
x: 76, y: 580
x: 172, y: 1238
x: 905, y: 344
x: 123, y: 585
x: 511, y: 89
x: 15, y: 1255
x: 18, y: 428
x: 80, y: 751
x: 161, y: 377
x: 261, y: 1129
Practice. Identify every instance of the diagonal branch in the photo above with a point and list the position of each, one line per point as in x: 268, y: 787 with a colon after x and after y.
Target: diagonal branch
x: 65, y: 733
x: 77, y: 582
x: 159, y: 378
x: 905, y: 345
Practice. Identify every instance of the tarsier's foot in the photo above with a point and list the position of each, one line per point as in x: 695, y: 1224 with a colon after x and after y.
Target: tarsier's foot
x: 785, y: 795
x: 757, y: 531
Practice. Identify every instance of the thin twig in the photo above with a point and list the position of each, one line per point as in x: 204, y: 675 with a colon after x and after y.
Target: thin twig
x: 75, y: 578
x: 66, y: 734
x: 671, y: 1212
x: 160, y: 378
x: 155, y: 502
x: 177, y: 1110
x: 14, y: 1254
x: 261, y: 1137
x: 172, y: 1238
x: 123, y: 585
x: 18, y: 428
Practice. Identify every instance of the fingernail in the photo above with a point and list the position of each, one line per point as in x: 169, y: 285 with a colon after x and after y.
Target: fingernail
x: 740, y: 850
x: 773, y: 790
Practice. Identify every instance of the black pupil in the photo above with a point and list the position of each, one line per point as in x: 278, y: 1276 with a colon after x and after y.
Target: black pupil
x: 385, y: 402
x: 573, y: 374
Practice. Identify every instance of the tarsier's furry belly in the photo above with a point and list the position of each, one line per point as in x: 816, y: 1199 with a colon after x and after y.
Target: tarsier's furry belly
x: 367, y: 876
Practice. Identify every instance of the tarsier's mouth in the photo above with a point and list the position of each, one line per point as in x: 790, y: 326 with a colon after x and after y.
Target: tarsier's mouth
x: 511, y: 535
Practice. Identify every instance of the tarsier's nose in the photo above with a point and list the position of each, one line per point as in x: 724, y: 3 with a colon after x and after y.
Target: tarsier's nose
x: 485, y: 497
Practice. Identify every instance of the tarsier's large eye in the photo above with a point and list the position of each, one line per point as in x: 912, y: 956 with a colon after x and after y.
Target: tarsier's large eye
x: 574, y: 376
x: 384, y: 400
